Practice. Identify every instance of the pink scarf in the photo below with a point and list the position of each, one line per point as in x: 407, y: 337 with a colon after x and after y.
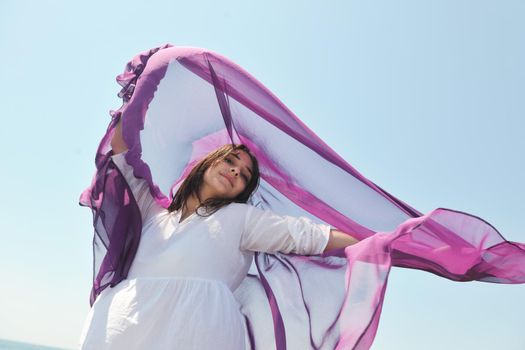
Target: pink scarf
x: 180, y: 103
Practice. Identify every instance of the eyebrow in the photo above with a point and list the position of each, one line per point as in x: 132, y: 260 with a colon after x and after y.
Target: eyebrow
x: 236, y: 155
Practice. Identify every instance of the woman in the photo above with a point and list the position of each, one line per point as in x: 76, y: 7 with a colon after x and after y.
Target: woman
x: 193, y: 255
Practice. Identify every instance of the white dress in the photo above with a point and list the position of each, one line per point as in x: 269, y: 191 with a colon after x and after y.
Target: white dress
x: 179, y: 289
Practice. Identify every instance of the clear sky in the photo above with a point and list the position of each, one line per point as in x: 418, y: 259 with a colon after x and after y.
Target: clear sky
x: 425, y: 98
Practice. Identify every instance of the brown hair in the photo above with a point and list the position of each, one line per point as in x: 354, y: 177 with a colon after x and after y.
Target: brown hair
x: 192, y: 183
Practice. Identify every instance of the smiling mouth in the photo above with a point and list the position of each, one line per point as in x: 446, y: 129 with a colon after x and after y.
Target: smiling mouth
x: 227, y: 178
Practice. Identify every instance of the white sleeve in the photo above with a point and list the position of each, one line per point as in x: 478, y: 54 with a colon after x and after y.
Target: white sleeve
x: 139, y: 187
x: 266, y: 231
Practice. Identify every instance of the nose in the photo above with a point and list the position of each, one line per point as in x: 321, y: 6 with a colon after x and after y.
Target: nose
x: 234, y: 171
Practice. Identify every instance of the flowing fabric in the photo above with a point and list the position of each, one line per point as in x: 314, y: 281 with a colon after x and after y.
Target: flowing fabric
x: 179, y: 103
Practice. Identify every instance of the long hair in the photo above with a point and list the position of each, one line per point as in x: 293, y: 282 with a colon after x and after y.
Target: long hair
x: 193, y: 182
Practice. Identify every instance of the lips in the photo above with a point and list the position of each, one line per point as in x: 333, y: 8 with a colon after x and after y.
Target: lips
x: 228, y: 178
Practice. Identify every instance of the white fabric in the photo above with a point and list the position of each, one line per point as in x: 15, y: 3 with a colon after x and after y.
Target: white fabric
x: 179, y: 290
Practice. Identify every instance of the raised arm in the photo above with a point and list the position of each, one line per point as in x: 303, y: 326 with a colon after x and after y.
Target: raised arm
x: 339, y: 239
x: 266, y: 231
x: 139, y: 187
x: 117, y: 142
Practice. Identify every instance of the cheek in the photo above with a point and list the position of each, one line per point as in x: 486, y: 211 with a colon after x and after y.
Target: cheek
x: 242, y: 187
x: 216, y: 167
x: 208, y: 175
x: 213, y: 178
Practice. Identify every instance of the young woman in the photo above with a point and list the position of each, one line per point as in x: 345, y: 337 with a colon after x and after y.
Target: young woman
x: 193, y: 255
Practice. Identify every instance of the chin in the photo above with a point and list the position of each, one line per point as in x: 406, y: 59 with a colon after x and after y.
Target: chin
x: 223, y: 183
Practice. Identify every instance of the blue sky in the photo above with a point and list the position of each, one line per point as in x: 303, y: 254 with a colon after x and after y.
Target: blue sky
x: 425, y: 98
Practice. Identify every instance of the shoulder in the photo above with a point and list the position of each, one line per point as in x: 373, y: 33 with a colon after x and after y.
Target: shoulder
x: 238, y: 208
x: 239, y: 211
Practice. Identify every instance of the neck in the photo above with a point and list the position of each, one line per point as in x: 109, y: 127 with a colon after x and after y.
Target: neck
x: 191, y: 204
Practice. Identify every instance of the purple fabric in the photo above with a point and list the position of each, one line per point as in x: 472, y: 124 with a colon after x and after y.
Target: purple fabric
x: 116, y: 216
x: 179, y: 104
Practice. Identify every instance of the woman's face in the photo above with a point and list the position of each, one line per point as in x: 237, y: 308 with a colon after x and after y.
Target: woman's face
x: 227, y: 178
